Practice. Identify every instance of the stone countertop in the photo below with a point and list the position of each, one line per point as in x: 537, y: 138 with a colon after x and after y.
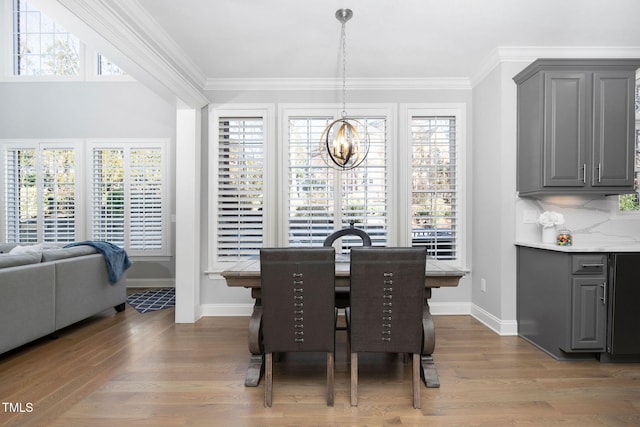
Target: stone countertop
x: 587, y: 246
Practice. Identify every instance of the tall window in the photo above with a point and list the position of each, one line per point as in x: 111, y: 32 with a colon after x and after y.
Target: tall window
x: 39, y: 194
x: 321, y: 199
x: 406, y: 192
x: 434, y: 195
x: 239, y: 195
x: 128, y: 197
x: 41, y: 46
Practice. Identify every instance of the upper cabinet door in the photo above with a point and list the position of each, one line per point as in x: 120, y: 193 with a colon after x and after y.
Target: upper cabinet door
x: 576, y: 127
x: 565, y: 129
x: 613, y: 125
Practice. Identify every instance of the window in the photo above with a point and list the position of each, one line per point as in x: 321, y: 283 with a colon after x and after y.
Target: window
x: 124, y: 200
x: 434, y: 195
x: 108, y: 68
x: 321, y: 199
x: 39, y: 193
x: 239, y: 195
x: 128, y: 196
x: 41, y: 46
x: 629, y: 202
x: 407, y: 192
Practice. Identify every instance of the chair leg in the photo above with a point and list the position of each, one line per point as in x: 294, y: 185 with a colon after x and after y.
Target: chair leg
x: 268, y: 379
x: 330, y: 377
x: 354, y: 379
x: 347, y: 318
x: 416, y: 380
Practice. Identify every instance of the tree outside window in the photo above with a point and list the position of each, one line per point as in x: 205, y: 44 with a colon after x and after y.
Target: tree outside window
x: 41, y: 46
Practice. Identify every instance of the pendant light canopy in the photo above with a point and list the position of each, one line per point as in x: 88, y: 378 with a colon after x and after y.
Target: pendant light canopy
x: 341, y: 144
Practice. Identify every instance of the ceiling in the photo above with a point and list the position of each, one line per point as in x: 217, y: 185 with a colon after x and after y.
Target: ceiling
x: 258, y: 39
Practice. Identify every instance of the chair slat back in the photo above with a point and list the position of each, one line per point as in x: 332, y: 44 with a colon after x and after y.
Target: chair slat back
x: 387, y: 299
x: 298, y: 299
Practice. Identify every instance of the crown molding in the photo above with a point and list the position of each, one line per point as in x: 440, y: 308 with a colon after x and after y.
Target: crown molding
x: 129, y: 29
x: 302, y: 84
x: 528, y: 54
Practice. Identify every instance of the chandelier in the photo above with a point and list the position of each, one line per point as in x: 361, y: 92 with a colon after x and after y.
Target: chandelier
x: 341, y: 145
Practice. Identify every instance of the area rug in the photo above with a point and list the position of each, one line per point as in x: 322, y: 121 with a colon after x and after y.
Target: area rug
x: 152, y: 300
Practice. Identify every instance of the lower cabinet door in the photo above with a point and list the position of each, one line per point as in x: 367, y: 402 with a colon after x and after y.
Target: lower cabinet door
x: 588, y: 313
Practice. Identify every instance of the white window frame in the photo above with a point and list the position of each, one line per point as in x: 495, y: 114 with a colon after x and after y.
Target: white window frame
x: 287, y: 111
x: 615, y: 201
x: 398, y: 118
x: 83, y: 171
x: 407, y: 112
x: 267, y: 113
x: 88, y: 57
x: 41, y: 144
x: 131, y: 144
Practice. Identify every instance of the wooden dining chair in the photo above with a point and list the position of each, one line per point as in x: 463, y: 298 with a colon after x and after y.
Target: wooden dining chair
x: 298, y: 301
x: 387, y: 303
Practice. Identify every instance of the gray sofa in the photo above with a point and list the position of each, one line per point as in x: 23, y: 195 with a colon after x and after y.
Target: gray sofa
x: 43, y: 292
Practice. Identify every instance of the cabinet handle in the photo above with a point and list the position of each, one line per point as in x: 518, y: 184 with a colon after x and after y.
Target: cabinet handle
x: 595, y: 265
x: 604, y: 293
x: 584, y: 173
x: 599, y: 173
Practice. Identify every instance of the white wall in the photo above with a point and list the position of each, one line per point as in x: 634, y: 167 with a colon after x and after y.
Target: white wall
x: 83, y: 110
x: 494, y: 185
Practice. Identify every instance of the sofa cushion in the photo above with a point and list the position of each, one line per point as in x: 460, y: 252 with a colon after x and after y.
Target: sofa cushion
x: 27, y: 249
x: 5, y: 248
x: 11, y: 260
x: 56, y: 254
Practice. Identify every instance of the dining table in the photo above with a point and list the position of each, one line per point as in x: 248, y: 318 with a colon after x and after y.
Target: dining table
x: 246, y: 274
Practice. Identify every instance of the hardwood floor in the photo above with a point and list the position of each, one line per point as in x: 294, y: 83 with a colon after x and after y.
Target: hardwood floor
x: 134, y: 369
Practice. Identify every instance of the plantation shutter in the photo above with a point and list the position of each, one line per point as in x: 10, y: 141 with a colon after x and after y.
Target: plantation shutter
x: 434, y: 198
x: 128, y: 205
x: 240, y: 201
x: 108, y: 196
x: 322, y: 200
x: 58, y: 198
x: 40, y: 194
x: 145, y: 198
x: 21, y: 210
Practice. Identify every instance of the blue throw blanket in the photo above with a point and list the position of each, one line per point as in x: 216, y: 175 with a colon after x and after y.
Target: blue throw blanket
x: 116, y: 258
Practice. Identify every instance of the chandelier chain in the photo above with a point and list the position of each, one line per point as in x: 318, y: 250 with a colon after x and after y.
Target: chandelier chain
x: 344, y: 69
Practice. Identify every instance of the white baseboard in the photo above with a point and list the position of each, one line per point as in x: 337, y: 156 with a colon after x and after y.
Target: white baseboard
x: 151, y: 283
x: 501, y: 327
x: 212, y: 310
x: 449, y: 308
x: 441, y: 308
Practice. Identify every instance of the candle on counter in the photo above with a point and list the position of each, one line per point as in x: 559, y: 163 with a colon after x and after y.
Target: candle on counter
x: 564, y: 238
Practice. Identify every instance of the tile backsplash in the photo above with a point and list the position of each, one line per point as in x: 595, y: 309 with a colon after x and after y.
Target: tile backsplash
x: 591, y: 220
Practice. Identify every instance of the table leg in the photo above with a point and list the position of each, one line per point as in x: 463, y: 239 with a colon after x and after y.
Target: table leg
x: 256, y: 361
x: 428, y: 370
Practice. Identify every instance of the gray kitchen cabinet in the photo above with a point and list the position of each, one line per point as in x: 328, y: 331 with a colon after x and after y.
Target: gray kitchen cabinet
x: 562, y: 303
x: 588, y: 314
x: 576, y: 126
